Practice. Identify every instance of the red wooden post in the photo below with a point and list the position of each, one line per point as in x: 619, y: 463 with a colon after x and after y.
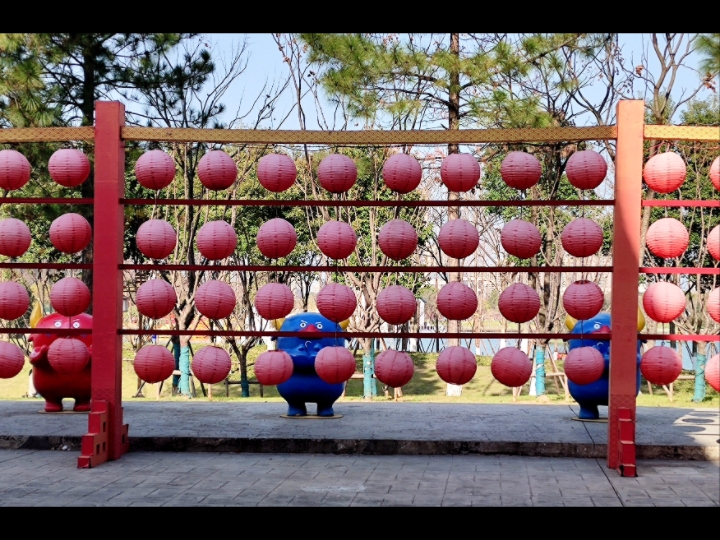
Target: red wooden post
x: 625, y: 279
x: 107, y: 436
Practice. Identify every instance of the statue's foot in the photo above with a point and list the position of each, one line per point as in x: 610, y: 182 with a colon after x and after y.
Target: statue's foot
x: 588, y: 412
x: 82, y: 406
x: 297, y: 409
x: 325, y: 410
x: 53, y: 406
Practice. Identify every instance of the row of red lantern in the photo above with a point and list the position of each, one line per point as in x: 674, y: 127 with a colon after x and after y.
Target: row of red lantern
x: 155, y: 363
x: 69, y: 233
x: 65, y: 355
x: 668, y: 238
x: 156, y: 298
x: 580, y: 238
x: 69, y: 297
x: 67, y: 167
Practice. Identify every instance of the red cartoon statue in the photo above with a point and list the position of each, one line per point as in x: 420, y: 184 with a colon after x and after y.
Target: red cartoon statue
x: 50, y: 384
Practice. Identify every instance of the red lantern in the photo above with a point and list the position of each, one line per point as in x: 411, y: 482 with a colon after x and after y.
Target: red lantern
x: 583, y: 300
x: 14, y: 300
x: 337, y: 173
x: 12, y: 360
x: 273, y: 367
x: 660, y: 365
x: 68, y: 355
x: 211, y: 365
x: 276, y: 238
x: 276, y: 172
x: 215, y: 299
x: 458, y: 238
x: 274, y: 301
x: 394, y: 368
x: 397, y: 239
x: 584, y: 365
x: 712, y: 372
x: 664, y: 173
x: 715, y: 173
x: 70, y: 296
x: 460, y: 172
x: 456, y: 365
x: 713, y: 243
x: 15, y: 238
x: 713, y: 304
x: 217, y: 170
x: 667, y: 238
x: 154, y: 363
x: 69, y: 167
x: 336, y: 302
x: 14, y: 170
x: 396, y: 304
x: 156, y: 238
x: 586, y: 169
x: 582, y: 237
x: 521, y: 239
x: 663, y: 301
x: 70, y: 233
x: 520, y: 170
x: 334, y: 364
x: 216, y: 240
x: 336, y: 240
x: 402, y: 173
x: 519, y: 303
x: 511, y: 367
x: 155, y: 298
x: 456, y: 301
x: 155, y: 170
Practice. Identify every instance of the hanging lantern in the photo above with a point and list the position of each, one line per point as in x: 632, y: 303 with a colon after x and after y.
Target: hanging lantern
x: 216, y: 240
x: 713, y: 243
x: 15, y: 238
x: 713, y: 304
x: 458, y: 238
x: 520, y: 170
x: 12, y: 360
x: 273, y: 367
x: 456, y: 301
x: 663, y: 301
x: 336, y: 240
x: 586, y: 169
x: 70, y: 233
x: 519, y: 303
x: 70, y: 296
x: 14, y: 170
x: 584, y: 365
x: 155, y: 170
x: 456, y: 365
x: 276, y: 172
x: 715, y: 173
x: 521, y: 239
x: 334, y: 364
x: 14, y: 300
x: 460, y: 172
x: 402, y: 173
x: 394, y: 368
x: 667, y: 238
x: 582, y: 237
x: 712, y: 372
x: 664, y: 173
x: 511, y: 367
x: 276, y: 238
x: 583, y: 300
x: 215, y: 299
x: 155, y: 298
x: 69, y: 167
x: 337, y: 173
x: 660, y: 365
x: 211, y: 365
x: 68, y: 355
x: 154, y: 363
x: 336, y: 302
x: 217, y: 170
x: 397, y: 239
x: 396, y: 304
x: 274, y: 301
x: 156, y: 238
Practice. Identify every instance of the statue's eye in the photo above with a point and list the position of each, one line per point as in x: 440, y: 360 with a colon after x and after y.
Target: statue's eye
x: 597, y: 325
x: 303, y: 324
x: 76, y: 324
x: 58, y: 324
x: 319, y: 326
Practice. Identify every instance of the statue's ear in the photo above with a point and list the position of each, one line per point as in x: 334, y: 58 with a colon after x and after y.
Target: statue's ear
x: 570, y: 322
x: 641, y: 320
x: 344, y: 324
x: 278, y: 323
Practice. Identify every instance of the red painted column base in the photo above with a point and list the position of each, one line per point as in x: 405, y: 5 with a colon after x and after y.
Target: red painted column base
x: 94, y: 449
x: 626, y: 442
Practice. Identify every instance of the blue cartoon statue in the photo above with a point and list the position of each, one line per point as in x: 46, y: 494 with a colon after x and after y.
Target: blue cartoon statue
x: 589, y: 396
x: 305, y: 386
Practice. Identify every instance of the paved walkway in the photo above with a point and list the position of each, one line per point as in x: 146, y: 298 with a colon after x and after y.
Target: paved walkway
x: 48, y: 478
